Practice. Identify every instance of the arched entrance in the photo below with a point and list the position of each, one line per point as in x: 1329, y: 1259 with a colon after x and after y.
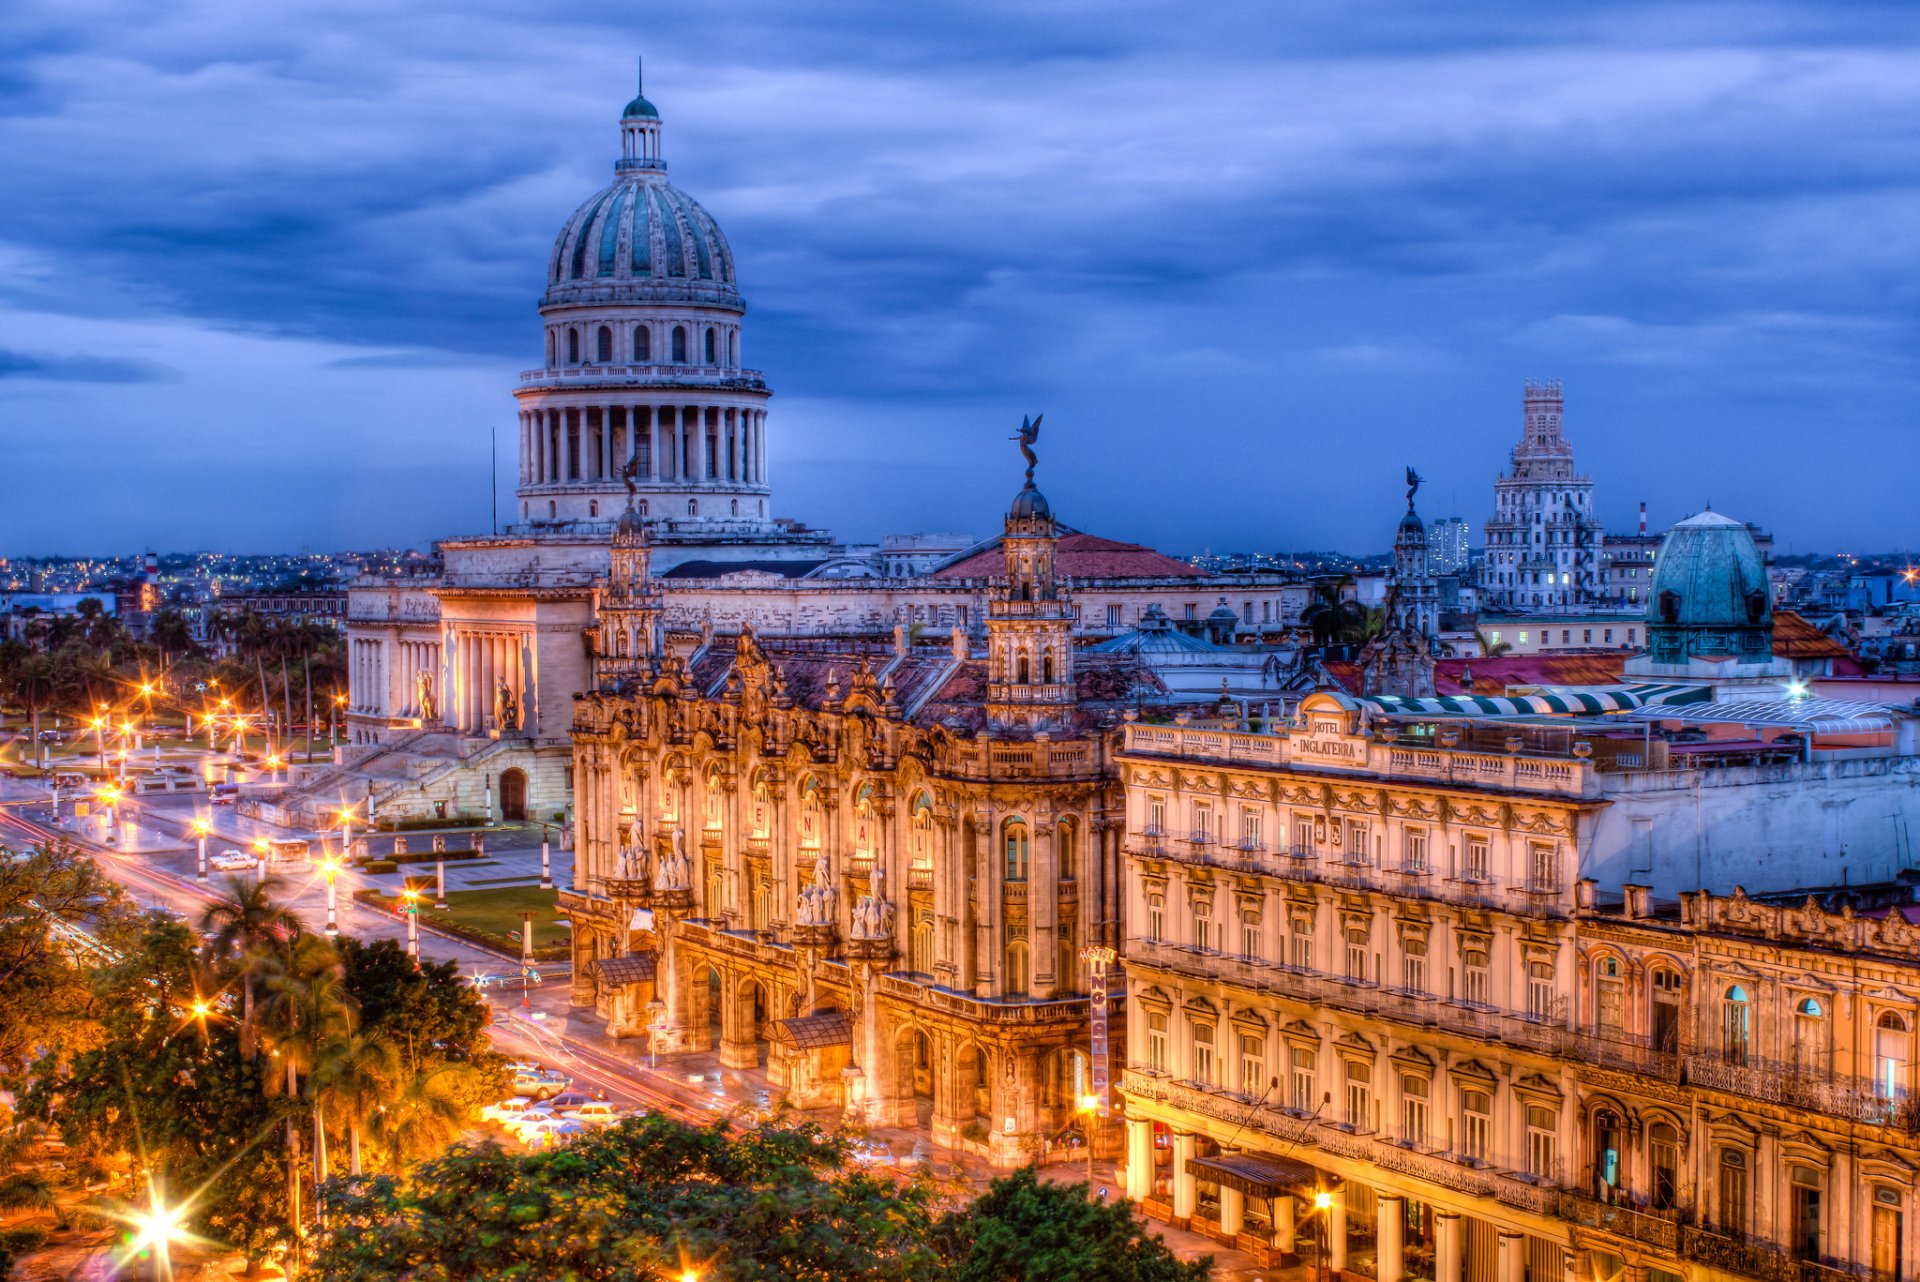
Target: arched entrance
x: 513, y: 794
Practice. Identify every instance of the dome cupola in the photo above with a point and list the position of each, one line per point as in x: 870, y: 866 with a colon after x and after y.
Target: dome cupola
x: 1710, y: 596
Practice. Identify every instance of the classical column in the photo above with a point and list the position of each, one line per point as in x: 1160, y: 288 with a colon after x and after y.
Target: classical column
x: 1233, y: 1211
x: 1139, y: 1160
x: 1185, y: 1186
x: 1390, y: 1221
x: 1512, y: 1258
x: 1446, y: 1246
x: 1337, y: 1236
x: 1283, y: 1226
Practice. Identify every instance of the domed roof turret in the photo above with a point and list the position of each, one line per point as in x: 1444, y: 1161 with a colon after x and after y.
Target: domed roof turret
x: 1029, y: 504
x: 1710, y: 594
x: 640, y: 109
x: 1412, y: 527
x: 630, y: 526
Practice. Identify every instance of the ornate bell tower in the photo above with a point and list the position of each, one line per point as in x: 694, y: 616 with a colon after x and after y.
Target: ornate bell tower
x: 1029, y: 618
x: 627, y: 604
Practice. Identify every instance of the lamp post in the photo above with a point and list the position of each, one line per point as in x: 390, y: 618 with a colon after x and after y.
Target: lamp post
x: 260, y: 855
x: 412, y: 900
x: 546, y: 857
x: 1322, y: 1200
x: 200, y: 827
x: 1089, y: 1109
x: 656, y: 1029
x: 526, y: 955
x: 330, y: 867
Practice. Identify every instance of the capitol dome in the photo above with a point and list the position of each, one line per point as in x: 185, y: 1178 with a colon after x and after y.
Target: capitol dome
x: 641, y: 230
x: 1710, y: 595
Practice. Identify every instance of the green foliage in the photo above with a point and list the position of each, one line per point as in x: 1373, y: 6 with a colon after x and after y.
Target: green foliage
x: 430, y: 1014
x: 49, y: 1006
x: 17, y: 1242
x: 1023, y: 1228
x: 641, y: 1201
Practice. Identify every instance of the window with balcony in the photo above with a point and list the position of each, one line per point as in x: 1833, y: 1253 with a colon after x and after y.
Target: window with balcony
x: 1476, y: 861
x: 1667, y: 996
x: 1663, y: 1161
x: 1203, y: 1054
x: 1249, y: 828
x: 1156, y: 917
x: 1804, y: 1226
x: 1203, y: 926
x: 1892, y: 1050
x: 1157, y: 1041
x: 1359, y: 1113
x: 1156, y: 817
x: 1543, y: 1145
x: 1359, y: 844
x: 1731, y: 1193
x: 1540, y: 1003
x: 1302, y: 836
x: 1476, y: 977
x: 1476, y: 1124
x: 1300, y: 942
x: 923, y: 943
x: 1609, y: 998
x: 1357, y: 949
x: 1253, y: 1066
x: 1413, y: 1109
x: 1608, y: 1136
x: 1736, y: 1026
x: 1250, y: 935
x: 1413, y: 850
x: 1543, y: 867
x: 1202, y: 822
x: 1413, y: 965
x: 762, y: 904
x: 1302, y: 1096
x: 1809, y: 1026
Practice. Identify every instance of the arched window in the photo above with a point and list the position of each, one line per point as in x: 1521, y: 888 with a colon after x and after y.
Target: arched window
x: 1017, y: 976
x: 593, y: 507
x: 733, y: 347
x: 923, y: 947
x: 642, y: 343
x: 1663, y: 1163
x: 710, y: 347
x: 736, y: 507
x: 573, y: 347
x: 1610, y: 998
x: 643, y: 507
x: 1892, y: 1049
x: 1020, y: 669
x: 603, y: 345
x: 679, y: 344
x: 1066, y: 848
x: 693, y: 507
x: 864, y: 821
x: 553, y: 509
x: 1015, y: 843
x: 1736, y: 1026
x: 1807, y: 1030
x: 549, y: 349
x: 1607, y: 1133
x: 920, y: 823
x: 1046, y: 668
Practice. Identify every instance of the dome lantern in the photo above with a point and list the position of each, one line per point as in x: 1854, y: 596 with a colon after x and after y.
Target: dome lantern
x: 640, y: 133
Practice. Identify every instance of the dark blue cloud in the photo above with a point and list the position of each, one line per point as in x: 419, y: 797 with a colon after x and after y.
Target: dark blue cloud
x: 1250, y: 258
x: 83, y: 369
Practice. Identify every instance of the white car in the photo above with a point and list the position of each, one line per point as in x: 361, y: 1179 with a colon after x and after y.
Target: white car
x: 550, y: 1132
x: 597, y: 1114
x: 512, y: 1109
x: 232, y: 861
x: 532, y: 1122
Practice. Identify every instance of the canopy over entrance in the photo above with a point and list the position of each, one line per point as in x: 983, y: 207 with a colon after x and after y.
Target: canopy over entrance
x: 813, y: 1032
x: 1256, y: 1175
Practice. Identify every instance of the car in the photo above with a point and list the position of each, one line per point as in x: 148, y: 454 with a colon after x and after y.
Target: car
x: 532, y: 1121
x: 539, y: 1086
x: 509, y: 1110
x: 224, y: 794
x: 546, y: 1133
x: 232, y: 861
x: 567, y: 1101
x: 871, y: 1153
x: 597, y: 1114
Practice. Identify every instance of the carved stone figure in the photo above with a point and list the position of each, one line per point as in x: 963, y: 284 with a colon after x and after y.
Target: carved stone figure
x: 818, y: 900
x: 423, y: 697
x: 873, y: 915
x: 506, y: 713
x: 676, y: 869
x: 633, y: 855
x: 1029, y: 433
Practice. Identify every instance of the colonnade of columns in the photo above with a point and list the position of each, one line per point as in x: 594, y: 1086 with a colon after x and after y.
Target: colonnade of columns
x: 1510, y: 1262
x: 410, y: 660
x: 367, y: 677
x: 687, y: 443
x: 480, y: 662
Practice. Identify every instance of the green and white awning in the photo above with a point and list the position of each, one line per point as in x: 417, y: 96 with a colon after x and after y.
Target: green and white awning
x: 1551, y: 700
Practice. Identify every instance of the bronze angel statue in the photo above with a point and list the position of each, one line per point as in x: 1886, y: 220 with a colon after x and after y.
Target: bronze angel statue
x: 1413, y: 483
x: 1029, y: 433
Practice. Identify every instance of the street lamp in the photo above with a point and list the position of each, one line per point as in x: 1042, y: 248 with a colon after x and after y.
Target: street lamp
x: 1089, y: 1109
x: 260, y: 855
x: 656, y: 1029
x: 1322, y: 1200
x: 200, y: 829
x: 411, y: 897
x: 330, y: 867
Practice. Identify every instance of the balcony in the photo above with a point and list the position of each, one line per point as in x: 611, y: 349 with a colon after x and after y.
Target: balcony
x: 919, y: 878
x: 1835, y: 1094
x: 1658, y: 1229
x: 758, y: 844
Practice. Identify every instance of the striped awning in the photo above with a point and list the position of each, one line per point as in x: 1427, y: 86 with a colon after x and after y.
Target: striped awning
x: 1808, y: 715
x: 1551, y: 700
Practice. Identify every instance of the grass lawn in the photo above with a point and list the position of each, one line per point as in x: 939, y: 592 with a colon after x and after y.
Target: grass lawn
x: 497, y: 910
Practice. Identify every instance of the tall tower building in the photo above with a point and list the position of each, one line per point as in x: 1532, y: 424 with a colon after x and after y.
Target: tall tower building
x: 1543, y: 543
x: 627, y: 604
x: 643, y: 338
x: 1030, y: 680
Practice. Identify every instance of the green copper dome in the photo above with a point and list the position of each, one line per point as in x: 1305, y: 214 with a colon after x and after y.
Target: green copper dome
x: 640, y: 109
x: 1710, y: 595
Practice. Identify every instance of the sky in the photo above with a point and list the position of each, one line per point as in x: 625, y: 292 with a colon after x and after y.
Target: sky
x: 268, y: 273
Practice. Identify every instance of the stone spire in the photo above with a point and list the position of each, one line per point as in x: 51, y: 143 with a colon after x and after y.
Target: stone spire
x: 1029, y: 616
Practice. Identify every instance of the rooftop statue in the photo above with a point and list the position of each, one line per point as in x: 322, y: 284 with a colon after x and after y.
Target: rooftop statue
x: 1413, y: 483
x: 1029, y: 433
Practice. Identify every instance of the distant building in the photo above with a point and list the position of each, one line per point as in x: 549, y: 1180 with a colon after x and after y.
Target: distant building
x: 1543, y: 543
x: 1447, y: 551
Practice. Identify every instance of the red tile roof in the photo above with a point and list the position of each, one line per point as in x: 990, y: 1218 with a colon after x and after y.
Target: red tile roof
x: 1082, y: 556
x: 1493, y: 676
x: 1795, y: 638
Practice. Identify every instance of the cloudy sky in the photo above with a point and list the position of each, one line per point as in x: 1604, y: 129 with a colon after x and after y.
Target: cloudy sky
x: 267, y: 272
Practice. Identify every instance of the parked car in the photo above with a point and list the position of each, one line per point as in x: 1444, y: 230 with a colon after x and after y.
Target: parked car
x: 232, y: 861
x: 533, y: 1121
x: 224, y: 794
x: 512, y: 1109
x: 540, y: 1086
x: 599, y: 1113
x: 548, y: 1133
x: 871, y: 1153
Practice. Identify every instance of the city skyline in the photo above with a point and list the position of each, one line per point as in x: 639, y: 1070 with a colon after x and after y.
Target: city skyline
x: 1263, y: 241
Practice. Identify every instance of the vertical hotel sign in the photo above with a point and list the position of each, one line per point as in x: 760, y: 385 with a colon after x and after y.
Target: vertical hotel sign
x: 1099, y: 959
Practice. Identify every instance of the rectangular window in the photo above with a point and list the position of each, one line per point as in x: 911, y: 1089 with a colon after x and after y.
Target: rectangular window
x: 1359, y: 843
x: 1359, y: 1095
x: 1249, y: 828
x: 1253, y: 1067
x: 1540, y: 1001
x: 1413, y: 1110
x: 1157, y: 1042
x: 1414, y: 850
x: 1303, y: 837
x: 1357, y: 954
x: 1113, y: 616
x: 1203, y: 1054
x: 1300, y: 943
x: 1156, y: 916
x: 1156, y: 816
x: 1586, y: 636
x: 1607, y: 636
x: 1202, y: 822
x: 1543, y: 867
x: 1566, y: 637
x: 1250, y: 936
x: 1413, y: 965
x: 1477, y: 863
x: 1203, y: 927
x: 1304, y: 1099
x: 1189, y: 612
x: 1476, y: 1124
x: 1543, y: 1153
x: 1478, y: 982
x: 1611, y: 1007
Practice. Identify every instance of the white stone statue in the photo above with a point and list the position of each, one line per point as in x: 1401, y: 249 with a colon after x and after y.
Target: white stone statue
x: 423, y: 697
x: 817, y: 898
x: 676, y: 869
x: 633, y: 855
x: 873, y: 915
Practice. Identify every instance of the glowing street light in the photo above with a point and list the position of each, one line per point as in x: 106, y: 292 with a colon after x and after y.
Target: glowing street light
x: 330, y: 868
x: 1090, y: 1109
x: 200, y: 830
x: 260, y: 849
x: 411, y: 899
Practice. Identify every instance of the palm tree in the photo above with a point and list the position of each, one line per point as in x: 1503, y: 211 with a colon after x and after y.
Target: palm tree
x: 255, y: 636
x: 28, y: 1191
x: 243, y: 928
x: 353, y: 1077
x: 35, y: 683
x: 307, y: 1007
x: 427, y: 1113
x: 1333, y: 617
x: 171, y: 634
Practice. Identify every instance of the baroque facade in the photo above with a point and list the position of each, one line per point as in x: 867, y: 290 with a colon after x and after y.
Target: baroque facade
x: 870, y: 867
x: 1375, y: 962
